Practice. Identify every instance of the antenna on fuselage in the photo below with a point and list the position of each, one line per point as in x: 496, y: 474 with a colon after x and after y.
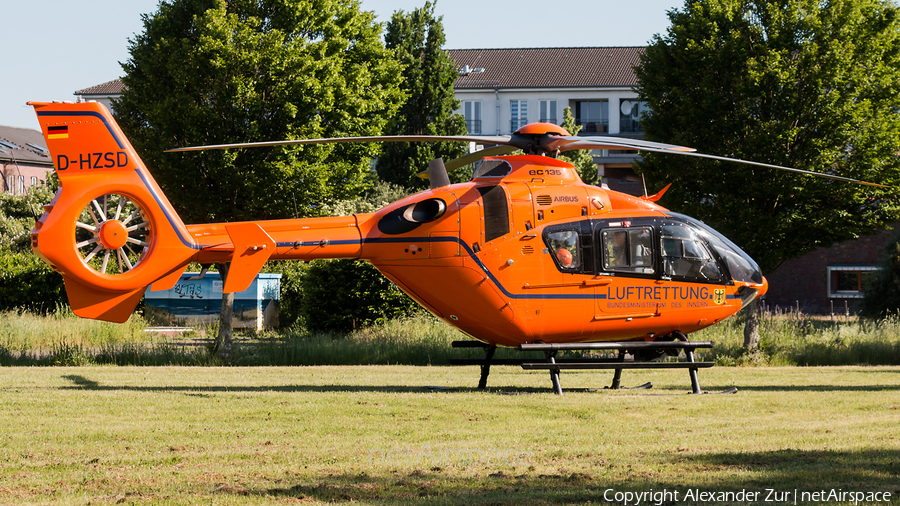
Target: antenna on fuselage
x: 436, y: 174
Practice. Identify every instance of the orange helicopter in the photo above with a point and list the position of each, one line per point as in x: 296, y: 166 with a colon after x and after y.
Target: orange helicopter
x: 525, y: 252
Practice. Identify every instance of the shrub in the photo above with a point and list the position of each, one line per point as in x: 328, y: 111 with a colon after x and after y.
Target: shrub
x: 341, y: 295
x: 27, y: 282
x: 882, y: 292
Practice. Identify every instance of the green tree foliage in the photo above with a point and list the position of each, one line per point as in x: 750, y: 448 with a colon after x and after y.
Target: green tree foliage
x: 216, y: 71
x: 809, y: 84
x: 882, y: 292
x: 580, y: 158
x: 26, y: 282
x: 417, y: 39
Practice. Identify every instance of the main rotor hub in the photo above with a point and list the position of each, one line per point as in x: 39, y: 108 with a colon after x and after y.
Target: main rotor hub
x: 538, y: 138
x: 540, y: 129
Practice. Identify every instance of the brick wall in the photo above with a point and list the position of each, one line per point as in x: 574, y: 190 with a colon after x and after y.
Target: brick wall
x: 805, y: 279
x: 21, y: 169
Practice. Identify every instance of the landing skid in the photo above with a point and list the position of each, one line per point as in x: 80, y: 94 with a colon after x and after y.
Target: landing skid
x: 618, y: 364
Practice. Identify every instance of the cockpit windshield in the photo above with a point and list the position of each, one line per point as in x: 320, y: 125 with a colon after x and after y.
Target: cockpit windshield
x: 740, y: 265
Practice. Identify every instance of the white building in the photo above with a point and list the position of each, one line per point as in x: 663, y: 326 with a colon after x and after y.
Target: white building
x: 501, y: 90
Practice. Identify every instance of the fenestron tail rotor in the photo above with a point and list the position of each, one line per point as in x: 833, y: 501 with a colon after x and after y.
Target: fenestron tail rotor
x: 112, y: 234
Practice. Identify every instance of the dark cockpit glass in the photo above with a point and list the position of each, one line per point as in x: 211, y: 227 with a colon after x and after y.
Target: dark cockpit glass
x: 685, y: 255
x: 740, y: 265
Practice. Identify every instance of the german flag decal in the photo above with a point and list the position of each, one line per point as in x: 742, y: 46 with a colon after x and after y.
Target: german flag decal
x: 58, y: 132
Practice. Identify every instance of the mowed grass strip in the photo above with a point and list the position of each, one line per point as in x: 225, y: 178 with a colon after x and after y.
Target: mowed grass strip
x: 383, y: 435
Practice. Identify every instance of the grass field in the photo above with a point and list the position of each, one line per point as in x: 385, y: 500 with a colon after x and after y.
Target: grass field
x: 422, y: 435
x: 64, y: 339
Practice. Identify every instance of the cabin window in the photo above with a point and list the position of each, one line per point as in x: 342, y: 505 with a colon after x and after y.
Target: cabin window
x: 496, y: 212
x: 686, y: 256
x: 565, y: 248
x: 627, y: 249
x: 492, y: 168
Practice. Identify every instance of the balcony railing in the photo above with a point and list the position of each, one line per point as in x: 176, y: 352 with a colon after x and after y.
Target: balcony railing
x: 473, y: 126
x: 593, y: 126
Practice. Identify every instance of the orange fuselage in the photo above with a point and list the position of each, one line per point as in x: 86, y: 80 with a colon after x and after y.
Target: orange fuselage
x: 484, y: 265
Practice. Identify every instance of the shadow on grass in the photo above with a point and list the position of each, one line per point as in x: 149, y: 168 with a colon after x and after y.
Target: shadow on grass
x: 82, y: 382
x: 785, y: 471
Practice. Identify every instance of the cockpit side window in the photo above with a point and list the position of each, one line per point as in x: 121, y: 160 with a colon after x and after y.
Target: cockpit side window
x: 627, y: 249
x: 565, y: 248
x: 686, y: 256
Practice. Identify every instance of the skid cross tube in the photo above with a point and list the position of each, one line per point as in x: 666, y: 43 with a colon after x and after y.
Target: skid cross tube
x: 554, y: 365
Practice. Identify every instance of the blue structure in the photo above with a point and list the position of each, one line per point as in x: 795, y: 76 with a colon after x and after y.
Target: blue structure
x: 199, y: 301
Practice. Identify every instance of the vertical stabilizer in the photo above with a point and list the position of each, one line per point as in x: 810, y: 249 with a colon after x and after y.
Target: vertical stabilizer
x: 109, y: 230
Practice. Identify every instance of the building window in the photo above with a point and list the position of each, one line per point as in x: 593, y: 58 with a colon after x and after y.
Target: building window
x: 472, y: 112
x: 593, y: 116
x: 630, y: 112
x: 21, y: 189
x: 34, y: 181
x: 847, y: 282
x: 548, y: 111
x: 519, y: 114
x: 11, y: 184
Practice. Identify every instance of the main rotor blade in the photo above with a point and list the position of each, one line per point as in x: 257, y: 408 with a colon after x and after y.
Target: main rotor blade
x: 570, y: 143
x: 498, y: 139
x: 590, y: 145
x: 478, y: 155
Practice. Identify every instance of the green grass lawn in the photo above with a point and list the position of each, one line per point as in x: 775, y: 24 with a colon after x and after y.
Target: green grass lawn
x: 379, y: 435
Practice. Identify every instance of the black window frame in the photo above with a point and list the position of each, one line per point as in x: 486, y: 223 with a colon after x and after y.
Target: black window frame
x: 591, y: 248
x: 586, y: 246
x: 605, y: 262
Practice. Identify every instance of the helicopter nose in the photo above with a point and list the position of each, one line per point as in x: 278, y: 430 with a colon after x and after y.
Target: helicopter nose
x: 764, y: 288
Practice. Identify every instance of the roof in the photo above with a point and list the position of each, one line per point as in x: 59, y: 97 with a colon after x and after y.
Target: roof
x: 540, y: 67
x: 113, y: 87
x: 548, y: 67
x: 23, y: 145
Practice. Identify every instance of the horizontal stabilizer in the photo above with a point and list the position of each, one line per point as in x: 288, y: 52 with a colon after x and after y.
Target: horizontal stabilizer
x: 252, y: 247
x: 168, y: 281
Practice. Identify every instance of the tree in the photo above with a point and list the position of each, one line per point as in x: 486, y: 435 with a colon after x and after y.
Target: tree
x: 26, y: 282
x: 580, y: 158
x: 216, y: 71
x: 809, y: 84
x: 882, y: 291
x: 417, y: 39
